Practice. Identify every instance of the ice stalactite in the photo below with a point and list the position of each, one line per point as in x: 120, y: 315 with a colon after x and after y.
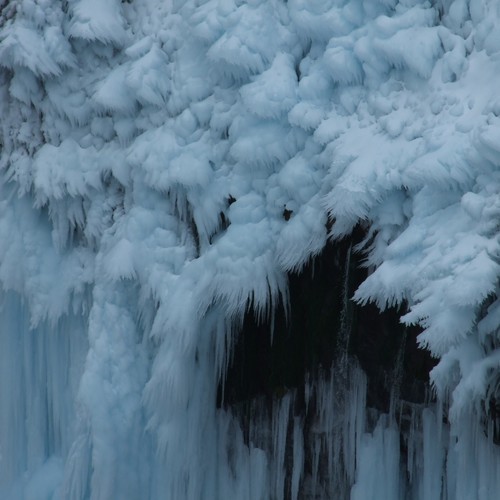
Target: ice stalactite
x: 345, y: 313
x: 309, y: 436
x: 337, y: 452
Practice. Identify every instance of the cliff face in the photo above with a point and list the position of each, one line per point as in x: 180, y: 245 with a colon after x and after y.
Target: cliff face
x: 321, y: 327
x: 313, y: 364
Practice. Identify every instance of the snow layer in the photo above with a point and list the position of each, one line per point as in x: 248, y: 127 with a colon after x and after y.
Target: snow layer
x: 149, y: 153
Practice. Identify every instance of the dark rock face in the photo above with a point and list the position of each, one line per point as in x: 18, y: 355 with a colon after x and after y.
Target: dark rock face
x: 324, y: 328
x: 294, y: 363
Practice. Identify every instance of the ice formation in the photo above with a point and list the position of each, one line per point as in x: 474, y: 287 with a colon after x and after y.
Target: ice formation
x: 165, y: 164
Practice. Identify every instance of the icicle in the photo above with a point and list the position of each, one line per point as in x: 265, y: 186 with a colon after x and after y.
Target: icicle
x: 397, y: 375
x: 281, y: 414
x: 316, y: 450
x: 345, y: 314
x: 298, y: 457
x: 410, y: 448
x: 433, y: 457
x: 354, y: 421
x: 378, y: 474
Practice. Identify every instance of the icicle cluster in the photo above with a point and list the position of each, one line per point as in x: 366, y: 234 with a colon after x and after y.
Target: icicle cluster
x: 164, y: 164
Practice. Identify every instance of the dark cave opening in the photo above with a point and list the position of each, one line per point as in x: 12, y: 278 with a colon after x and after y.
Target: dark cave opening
x: 314, y: 338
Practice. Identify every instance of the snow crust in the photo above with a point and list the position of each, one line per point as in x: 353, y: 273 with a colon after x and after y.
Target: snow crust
x: 149, y: 152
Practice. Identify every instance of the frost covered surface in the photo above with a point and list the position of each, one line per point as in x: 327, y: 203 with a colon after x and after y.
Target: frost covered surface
x: 149, y: 150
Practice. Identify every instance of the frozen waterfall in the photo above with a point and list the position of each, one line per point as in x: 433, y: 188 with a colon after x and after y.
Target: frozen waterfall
x: 249, y: 249
x: 313, y: 442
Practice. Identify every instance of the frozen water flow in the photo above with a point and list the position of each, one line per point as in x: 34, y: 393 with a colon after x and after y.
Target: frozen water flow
x: 164, y: 166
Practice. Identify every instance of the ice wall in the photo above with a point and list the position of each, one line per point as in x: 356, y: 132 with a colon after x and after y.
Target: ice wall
x: 315, y: 441
x: 165, y: 165
x: 40, y: 371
